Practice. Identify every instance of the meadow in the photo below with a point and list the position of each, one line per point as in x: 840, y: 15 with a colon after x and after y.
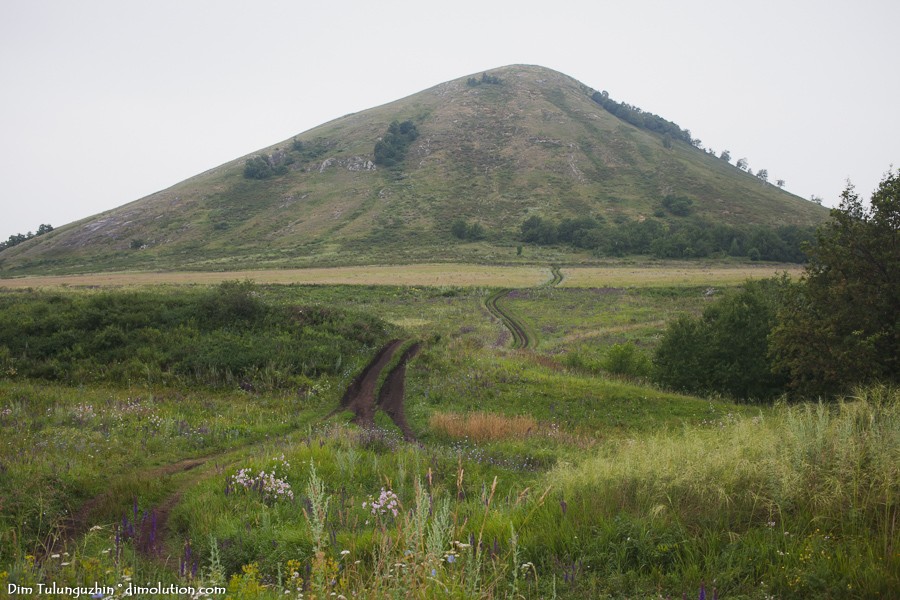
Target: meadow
x: 538, y: 473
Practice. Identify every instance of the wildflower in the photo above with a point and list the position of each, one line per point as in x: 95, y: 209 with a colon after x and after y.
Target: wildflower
x: 451, y: 558
x: 345, y: 552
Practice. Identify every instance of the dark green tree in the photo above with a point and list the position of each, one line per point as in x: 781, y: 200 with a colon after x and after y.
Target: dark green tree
x: 840, y: 326
x: 726, y: 350
x: 390, y: 150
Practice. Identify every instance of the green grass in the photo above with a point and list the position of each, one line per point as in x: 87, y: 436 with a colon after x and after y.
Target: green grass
x: 619, y: 490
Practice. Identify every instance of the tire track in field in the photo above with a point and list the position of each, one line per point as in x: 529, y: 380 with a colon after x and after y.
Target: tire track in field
x: 521, y: 338
x: 393, y: 390
x: 557, y: 277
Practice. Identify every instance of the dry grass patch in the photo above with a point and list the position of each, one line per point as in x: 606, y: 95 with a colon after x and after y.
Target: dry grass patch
x: 437, y: 275
x: 483, y: 427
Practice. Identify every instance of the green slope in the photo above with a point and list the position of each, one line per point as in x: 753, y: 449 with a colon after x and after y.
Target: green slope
x: 535, y: 144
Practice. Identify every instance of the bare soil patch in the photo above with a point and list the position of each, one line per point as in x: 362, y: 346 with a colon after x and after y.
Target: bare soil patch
x: 392, y: 392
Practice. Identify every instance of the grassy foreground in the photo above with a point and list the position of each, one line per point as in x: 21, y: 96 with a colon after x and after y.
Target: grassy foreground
x: 533, y: 476
x: 796, y: 502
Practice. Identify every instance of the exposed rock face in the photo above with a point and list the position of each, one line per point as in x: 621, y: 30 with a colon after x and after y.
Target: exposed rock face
x: 353, y: 163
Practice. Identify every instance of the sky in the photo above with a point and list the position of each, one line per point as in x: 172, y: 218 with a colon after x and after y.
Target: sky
x: 105, y: 102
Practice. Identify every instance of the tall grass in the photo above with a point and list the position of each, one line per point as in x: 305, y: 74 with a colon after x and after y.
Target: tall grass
x: 804, y: 500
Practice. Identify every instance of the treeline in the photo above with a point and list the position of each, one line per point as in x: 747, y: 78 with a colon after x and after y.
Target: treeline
x: 834, y: 329
x: 228, y: 335
x: 639, y: 118
x: 18, y: 238
x: 671, y: 132
x: 687, y: 238
x: 390, y: 150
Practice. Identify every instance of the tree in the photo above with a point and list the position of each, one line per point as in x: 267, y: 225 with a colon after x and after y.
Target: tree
x: 816, y: 199
x: 390, y: 150
x: 741, y: 164
x: 839, y: 325
x: 780, y: 183
x: 763, y: 174
x: 726, y: 155
x: 726, y: 349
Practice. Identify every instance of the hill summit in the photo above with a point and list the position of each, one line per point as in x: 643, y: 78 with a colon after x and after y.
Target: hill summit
x: 481, y: 154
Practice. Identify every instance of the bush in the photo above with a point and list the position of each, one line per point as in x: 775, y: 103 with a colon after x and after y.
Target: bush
x: 726, y: 350
x: 626, y: 359
x: 391, y: 149
x: 219, y: 337
x: 678, y: 205
x: 465, y: 231
x: 258, y: 167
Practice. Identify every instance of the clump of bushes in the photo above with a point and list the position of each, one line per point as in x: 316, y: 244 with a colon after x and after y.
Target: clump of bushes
x: 485, y: 79
x: 263, y: 166
x: 391, y: 148
x: 467, y: 231
x: 223, y: 336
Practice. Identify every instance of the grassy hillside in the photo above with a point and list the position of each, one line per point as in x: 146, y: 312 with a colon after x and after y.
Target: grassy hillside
x: 494, y: 154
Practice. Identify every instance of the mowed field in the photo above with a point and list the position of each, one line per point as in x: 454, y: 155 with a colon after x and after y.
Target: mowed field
x: 450, y: 274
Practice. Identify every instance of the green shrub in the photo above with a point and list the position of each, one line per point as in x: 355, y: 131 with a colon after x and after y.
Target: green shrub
x: 725, y: 350
x: 678, y: 205
x: 391, y: 149
x: 218, y: 337
x: 626, y: 359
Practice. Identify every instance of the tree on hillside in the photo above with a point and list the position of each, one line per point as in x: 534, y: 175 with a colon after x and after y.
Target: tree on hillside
x: 726, y: 156
x: 390, y: 150
x: 763, y: 174
x: 840, y: 326
x: 741, y: 164
x: 780, y: 183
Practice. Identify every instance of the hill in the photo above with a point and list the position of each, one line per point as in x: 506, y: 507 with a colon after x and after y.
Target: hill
x: 492, y: 150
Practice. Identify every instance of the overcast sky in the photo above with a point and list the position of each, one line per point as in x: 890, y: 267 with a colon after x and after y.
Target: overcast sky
x: 104, y: 102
